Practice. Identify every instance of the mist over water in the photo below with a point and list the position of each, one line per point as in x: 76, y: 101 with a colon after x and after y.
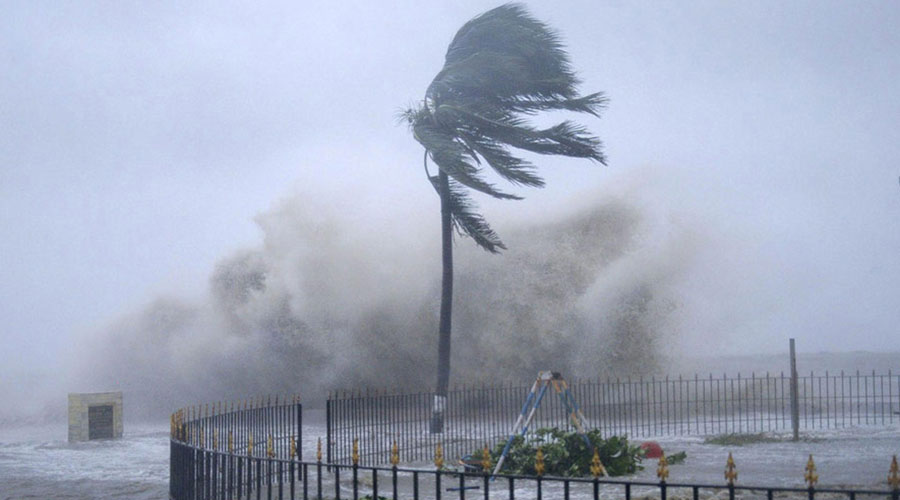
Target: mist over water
x: 327, y: 301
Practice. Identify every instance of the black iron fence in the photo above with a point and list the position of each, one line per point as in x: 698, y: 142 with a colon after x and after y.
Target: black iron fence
x: 643, y: 407
x: 206, y: 439
x: 199, y: 472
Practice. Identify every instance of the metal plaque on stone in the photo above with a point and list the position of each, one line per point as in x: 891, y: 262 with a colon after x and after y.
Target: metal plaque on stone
x: 100, y: 422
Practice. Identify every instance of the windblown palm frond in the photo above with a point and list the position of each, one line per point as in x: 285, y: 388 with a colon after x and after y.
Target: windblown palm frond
x: 466, y: 221
x: 501, y: 67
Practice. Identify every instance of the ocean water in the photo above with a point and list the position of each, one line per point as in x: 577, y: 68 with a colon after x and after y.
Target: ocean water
x: 38, y: 462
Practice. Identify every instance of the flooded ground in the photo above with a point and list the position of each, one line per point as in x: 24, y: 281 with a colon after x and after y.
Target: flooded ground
x: 37, y: 462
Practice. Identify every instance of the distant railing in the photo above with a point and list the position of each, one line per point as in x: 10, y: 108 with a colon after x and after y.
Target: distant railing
x: 643, y: 407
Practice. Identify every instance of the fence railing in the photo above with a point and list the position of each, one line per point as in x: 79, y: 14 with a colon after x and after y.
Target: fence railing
x: 262, y: 428
x: 643, y: 407
x: 199, y: 472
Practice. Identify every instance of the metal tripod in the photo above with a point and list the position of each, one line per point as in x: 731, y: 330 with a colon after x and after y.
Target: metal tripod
x: 544, y: 380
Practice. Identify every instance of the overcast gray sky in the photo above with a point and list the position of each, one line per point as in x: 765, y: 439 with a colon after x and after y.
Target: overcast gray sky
x: 138, y: 140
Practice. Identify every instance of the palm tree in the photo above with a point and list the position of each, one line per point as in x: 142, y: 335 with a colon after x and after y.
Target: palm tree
x: 500, y: 68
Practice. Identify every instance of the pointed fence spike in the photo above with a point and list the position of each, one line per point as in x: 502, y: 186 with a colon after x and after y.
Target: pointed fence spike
x: 894, y: 475
x: 810, y: 475
x: 486, y: 459
x: 439, y: 456
x: 662, y: 471
x: 597, y: 468
x: 395, y: 454
x: 539, y: 466
x: 730, y: 470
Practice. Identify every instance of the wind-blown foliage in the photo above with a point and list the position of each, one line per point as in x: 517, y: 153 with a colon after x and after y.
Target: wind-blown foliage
x: 566, y: 453
x: 500, y: 68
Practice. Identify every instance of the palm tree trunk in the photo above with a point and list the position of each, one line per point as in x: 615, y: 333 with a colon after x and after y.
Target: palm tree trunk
x: 443, y: 369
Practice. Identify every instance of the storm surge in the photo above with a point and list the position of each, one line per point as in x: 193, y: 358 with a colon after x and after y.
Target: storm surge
x: 329, y: 301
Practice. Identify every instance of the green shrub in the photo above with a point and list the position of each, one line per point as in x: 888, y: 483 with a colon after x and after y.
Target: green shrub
x: 566, y: 453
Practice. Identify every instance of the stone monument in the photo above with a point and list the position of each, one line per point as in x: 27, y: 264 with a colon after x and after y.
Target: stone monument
x: 95, y: 415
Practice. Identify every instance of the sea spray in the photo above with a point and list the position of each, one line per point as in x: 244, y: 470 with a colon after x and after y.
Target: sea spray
x: 328, y: 301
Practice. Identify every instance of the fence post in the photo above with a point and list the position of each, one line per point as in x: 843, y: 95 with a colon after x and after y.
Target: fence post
x: 328, y: 425
x: 795, y: 403
x: 299, y: 431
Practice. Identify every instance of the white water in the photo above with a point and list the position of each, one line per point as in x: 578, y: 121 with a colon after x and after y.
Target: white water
x: 38, y: 462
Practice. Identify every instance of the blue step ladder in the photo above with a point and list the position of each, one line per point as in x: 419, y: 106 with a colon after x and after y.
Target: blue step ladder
x: 545, y: 379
